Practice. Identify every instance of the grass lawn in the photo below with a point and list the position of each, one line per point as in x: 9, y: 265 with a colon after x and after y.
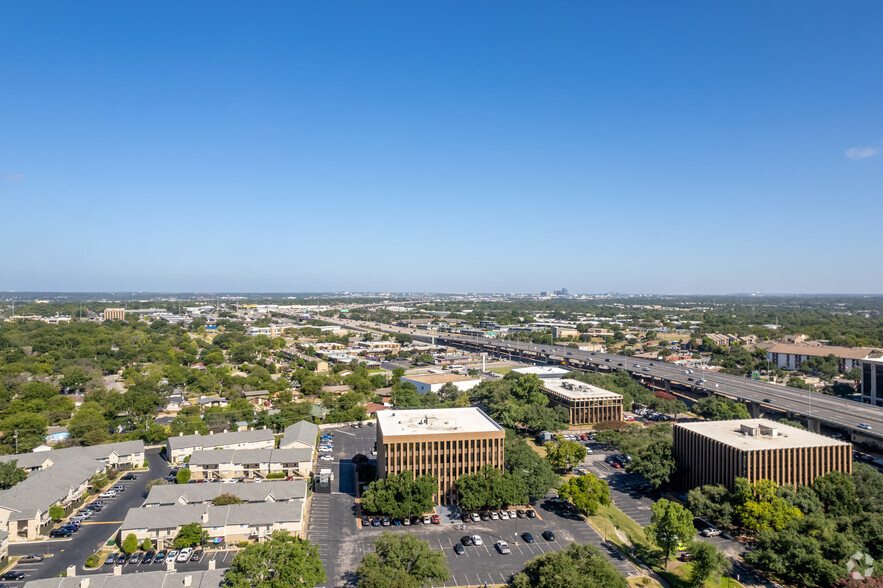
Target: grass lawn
x: 679, y: 573
x: 501, y: 370
x: 643, y: 582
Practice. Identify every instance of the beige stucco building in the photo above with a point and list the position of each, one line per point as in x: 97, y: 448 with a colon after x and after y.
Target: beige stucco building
x: 444, y: 442
x: 718, y: 452
x: 257, y: 464
x: 183, y: 446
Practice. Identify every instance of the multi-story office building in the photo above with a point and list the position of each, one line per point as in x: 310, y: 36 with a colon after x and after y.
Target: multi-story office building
x: 444, y: 442
x: 718, y: 452
x: 872, y: 379
x: 114, y: 314
x: 586, y: 403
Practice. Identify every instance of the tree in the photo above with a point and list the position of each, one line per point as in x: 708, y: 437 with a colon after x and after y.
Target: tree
x: 587, y: 493
x: 424, y: 358
x: 563, y: 453
x: 224, y: 499
x: 281, y: 562
x: 56, y: 513
x: 525, y: 463
x: 670, y: 524
x: 11, y: 474
x: 189, y: 535
x: 577, y: 566
x: 711, y: 502
x: 655, y: 462
x: 130, y: 544
x: 183, y: 475
x: 715, y: 408
x: 401, y: 561
x: 400, y: 495
x: 147, y: 545
x: 708, y: 563
x: 837, y: 493
x: 88, y: 425
x: 490, y: 487
x: 22, y: 431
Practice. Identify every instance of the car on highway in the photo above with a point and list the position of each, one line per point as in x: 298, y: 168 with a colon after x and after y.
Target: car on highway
x: 548, y: 535
x: 865, y: 426
x: 528, y: 538
x: 476, y: 540
x: 34, y: 557
x: 768, y: 400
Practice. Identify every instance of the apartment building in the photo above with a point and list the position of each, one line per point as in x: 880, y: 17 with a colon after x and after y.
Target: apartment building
x: 718, y: 452
x: 232, y: 523
x: 251, y: 464
x: 180, y: 447
x: 272, y: 491
x: 211, y: 578
x: 444, y: 442
x: 300, y: 435
x: 790, y: 357
x: 586, y: 403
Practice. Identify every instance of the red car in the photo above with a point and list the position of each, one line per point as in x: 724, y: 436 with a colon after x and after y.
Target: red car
x: 584, y: 437
x: 616, y: 464
x: 436, y: 519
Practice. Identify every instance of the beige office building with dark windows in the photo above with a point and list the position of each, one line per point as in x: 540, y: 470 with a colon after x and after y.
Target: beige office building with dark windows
x: 444, y: 442
x: 586, y: 403
x: 718, y: 452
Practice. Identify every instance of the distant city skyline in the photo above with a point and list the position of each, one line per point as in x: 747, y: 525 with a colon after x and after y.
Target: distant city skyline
x: 495, y: 147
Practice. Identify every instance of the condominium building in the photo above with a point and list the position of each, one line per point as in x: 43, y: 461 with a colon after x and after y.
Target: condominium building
x: 444, y: 442
x: 250, y: 464
x: 586, y: 403
x: 180, y: 447
x: 272, y: 491
x: 718, y: 452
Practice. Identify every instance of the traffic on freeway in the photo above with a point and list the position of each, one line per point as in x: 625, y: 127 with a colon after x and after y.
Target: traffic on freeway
x: 850, y: 415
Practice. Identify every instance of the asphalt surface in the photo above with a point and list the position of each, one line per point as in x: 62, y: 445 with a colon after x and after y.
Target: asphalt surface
x: 94, y: 533
x: 833, y: 411
x: 334, y: 527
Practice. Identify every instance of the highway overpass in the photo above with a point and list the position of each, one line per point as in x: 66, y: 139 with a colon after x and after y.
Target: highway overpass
x: 818, y: 409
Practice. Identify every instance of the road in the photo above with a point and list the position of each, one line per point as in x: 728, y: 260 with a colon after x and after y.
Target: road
x: 829, y: 410
x: 61, y: 553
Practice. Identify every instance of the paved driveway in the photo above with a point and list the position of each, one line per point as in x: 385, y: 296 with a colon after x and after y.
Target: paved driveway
x: 60, y: 553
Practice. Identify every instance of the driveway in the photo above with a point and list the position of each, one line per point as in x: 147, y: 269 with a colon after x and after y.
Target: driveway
x: 95, y: 532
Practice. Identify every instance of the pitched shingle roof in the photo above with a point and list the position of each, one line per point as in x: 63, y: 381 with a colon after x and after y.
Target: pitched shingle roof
x: 171, y: 517
x: 157, y: 579
x: 231, y: 438
x: 302, y: 431
x: 270, y: 491
x: 215, y: 456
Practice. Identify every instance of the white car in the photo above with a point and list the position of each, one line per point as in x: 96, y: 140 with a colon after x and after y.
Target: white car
x: 108, y: 494
x: 475, y: 517
x: 172, y: 555
x: 503, y: 548
x: 325, y: 450
x: 504, y: 516
x: 476, y: 540
x: 185, y: 555
x: 495, y: 516
x: 326, y: 458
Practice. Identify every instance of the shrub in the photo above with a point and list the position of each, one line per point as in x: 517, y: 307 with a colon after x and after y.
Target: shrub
x: 92, y: 561
x: 222, y: 499
x: 56, y: 513
x: 147, y: 545
x: 130, y: 544
x: 275, y: 476
x: 183, y: 475
x: 243, y: 544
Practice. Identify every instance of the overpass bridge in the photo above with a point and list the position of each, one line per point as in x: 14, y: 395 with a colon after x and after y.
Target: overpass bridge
x: 818, y: 409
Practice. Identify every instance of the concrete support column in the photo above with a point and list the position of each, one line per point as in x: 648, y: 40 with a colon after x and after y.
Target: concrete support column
x: 814, y: 425
x: 668, y: 386
x: 753, y: 409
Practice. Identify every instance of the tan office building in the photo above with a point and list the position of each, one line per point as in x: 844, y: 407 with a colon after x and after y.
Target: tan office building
x: 718, y: 452
x: 114, y: 314
x: 586, y: 403
x: 444, y: 442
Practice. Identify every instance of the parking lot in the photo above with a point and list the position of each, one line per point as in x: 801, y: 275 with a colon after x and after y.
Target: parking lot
x: 60, y: 553
x: 333, y: 526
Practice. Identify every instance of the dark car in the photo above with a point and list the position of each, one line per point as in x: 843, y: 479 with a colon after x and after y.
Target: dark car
x: 366, y: 522
x: 466, y: 540
x: 148, y: 557
x: 197, y: 555
x: 548, y: 535
x: 123, y: 558
x: 531, y: 514
x: 129, y: 477
x: 397, y: 522
x: 70, y: 528
x: 465, y: 518
x: 58, y: 533
x: 111, y: 559
x: 528, y: 538
x: 12, y: 575
x: 385, y: 521
x: 160, y: 557
x: 32, y: 558
x: 520, y: 514
x: 459, y: 549
x: 375, y: 522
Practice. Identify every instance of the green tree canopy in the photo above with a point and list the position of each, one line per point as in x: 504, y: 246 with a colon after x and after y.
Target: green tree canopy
x: 490, y: 487
x: 563, y: 453
x: 587, y: 493
x: 11, y: 474
x: 523, y: 462
x: 708, y: 563
x: 224, y: 499
x: 400, y: 495
x: 130, y: 543
x: 183, y: 475
x: 281, y: 562
x: 401, y: 561
x: 577, y: 566
x: 189, y: 535
x: 670, y: 524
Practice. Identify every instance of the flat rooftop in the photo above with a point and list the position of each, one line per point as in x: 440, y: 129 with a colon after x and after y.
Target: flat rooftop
x: 439, y: 378
x: 731, y: 433
x: 435, y: 422
x: 576, y: 390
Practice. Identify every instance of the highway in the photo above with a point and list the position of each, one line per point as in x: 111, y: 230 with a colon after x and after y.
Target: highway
x: 819, y: 408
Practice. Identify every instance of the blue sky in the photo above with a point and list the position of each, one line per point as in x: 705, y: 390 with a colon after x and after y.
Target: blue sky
x: 705, y: 147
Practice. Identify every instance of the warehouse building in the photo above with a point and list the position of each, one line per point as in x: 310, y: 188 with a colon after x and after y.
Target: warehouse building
x: 718, y: 452
x: 586, y: 403
x: 444, y: 442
